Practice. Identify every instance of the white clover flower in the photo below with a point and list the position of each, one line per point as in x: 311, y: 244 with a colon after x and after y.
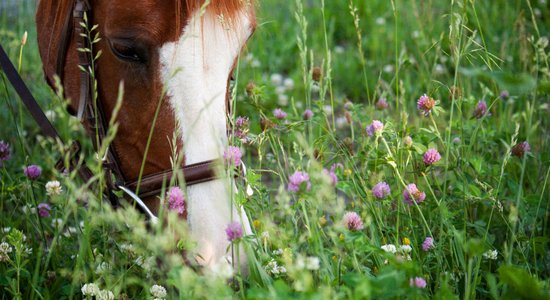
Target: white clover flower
x: 265, y: 235
x: 278, y: 252
x: 341, y: 122
x: 390, y: 248
x: 105, y: 295
x: 103, y: 267
x: 28, y: 209
x: 415, y: 34
x: 28, y: 250
x: 273, y: 268
x: 380, y: 21
x: 6, y: 229
x: 276, y: 79
x: 439, y: 69
x: 388, y: 68
x: 300, y: 263
x: 339, y: 49
x: 491, y: 254
x: 223, y: 269
x: 312, y: 263
x: 5, y: 250
x: 255, y: 63
x: 288, y: 84
x: 158, y: 291
x: 90, y: 289
x: 53, y: 188
x: 282, y: 100
x: 51, y: 115
x: 405, y: 248
x: 315, y: 88
x: 57, y: 223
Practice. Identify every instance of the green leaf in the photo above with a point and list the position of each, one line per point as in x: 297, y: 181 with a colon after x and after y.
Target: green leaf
x: 521, y: 284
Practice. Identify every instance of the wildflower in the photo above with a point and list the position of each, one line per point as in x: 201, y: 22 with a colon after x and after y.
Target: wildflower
x: 53, y: 188
x: 520, y: 149
x: 406, y: 241
x: 242, y: 122
x: 380, y: 21
x: 273, y: 268
x: 405, y: 248
x: 158, y: 291
x: 232, y: 156
x: 456, y: 140
x: 282, y: 100
x: 90, y: 289
x: 57, y: 223
x: 431, y: 156
x: 332, y: 173
x: 241, y: 127
x: 308, y: 114
x: 389, y: 248
x: 234, y: 231
x: 105, y: 295
x: 413, y: 194
x: 481, y: 109
x: 316, y: 74
x: 176, y: 200
x: 312, y: 263
x: 491, y: 254
x: 32, y: 172
x: 296, y: 180
x: 408, y: 141
x: 504, y: 94
x: 279, y: 113
x: 5, y: 250
x: 251, y: 88
x: 276, y: 79
x: 418, y: 282
x: 428, y: 244
x: 375, y: 128
x: 44, y: 210
x: 352, y: 221
x: 102, y: 267
x: 5, y: 152
x: 381, y: 104
x: 288, y: 83
x: 381, y: 190
x: 425, y: 104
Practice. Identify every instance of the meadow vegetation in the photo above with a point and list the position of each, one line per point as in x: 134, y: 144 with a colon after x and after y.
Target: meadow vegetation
x: 395, y: 149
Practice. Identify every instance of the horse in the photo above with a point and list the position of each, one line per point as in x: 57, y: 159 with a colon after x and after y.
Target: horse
x: 180, y: 52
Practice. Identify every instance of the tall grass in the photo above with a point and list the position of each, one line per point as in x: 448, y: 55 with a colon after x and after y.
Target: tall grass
x: 485, y: 208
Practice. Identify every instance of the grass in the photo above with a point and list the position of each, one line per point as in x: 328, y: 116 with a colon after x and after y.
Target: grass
x: 486, y: 209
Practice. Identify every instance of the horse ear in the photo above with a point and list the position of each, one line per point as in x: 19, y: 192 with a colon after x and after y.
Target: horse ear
x: 57, y: 46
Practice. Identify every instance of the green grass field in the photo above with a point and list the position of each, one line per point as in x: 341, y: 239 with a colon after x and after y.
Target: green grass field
x: 475, y: 226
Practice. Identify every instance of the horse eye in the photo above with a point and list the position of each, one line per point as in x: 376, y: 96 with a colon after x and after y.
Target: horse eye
x: 128, y: 51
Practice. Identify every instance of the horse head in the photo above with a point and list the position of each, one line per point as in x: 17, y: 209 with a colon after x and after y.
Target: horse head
x: 179, y: 52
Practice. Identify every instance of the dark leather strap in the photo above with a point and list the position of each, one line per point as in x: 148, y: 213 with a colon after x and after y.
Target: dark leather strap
x: 151, y: 185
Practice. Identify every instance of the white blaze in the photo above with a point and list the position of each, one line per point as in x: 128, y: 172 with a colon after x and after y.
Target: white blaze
x: 196, y: 69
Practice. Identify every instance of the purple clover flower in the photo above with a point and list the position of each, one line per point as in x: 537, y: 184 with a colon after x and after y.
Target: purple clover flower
x: 279, y: 113
x: 176, y: 200
x: 381, y: 104
x: 352, y: 221
x: 241, y: 122
x: 428, y: 243
x: 381, y: 190
x: 232, y: 156
x: 234, y: 231
x: 32, y: 171
x: 296, y: 180
x: 408, y: 141
x: 520, y: 149
x: 412, y: 194
x: 418, y: 282
x: 308, y: 114
x: 481, y: 109
x: 504, y: 94
x: 44, y: 210
x: 5, y: 152
x: 425, y: 104
x: 375, y: 128
x: 431, y: 156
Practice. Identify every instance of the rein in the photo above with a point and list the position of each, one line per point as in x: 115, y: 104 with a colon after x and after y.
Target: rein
x: 92, y: 114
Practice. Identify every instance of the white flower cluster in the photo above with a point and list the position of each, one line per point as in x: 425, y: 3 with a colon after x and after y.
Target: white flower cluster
x: 274, y: 269
x: 491, y: 254
x: 252, y: 61
x: 390, y: 248
x: 403, y: 251
x: 5, y: 250
x: 53, y: 188
x: 311, y: 263
x: 282, y: 85
x: 158, y: 292
x: 103, y: 268
x: 91, y: 289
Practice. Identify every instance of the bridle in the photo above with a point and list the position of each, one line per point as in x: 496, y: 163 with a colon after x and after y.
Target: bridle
x: 93, y: 115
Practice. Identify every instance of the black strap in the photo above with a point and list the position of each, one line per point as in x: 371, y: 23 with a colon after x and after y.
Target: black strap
x: 26, y: 96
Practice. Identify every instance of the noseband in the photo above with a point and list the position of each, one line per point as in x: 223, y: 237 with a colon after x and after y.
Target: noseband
x: 92, y: 114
